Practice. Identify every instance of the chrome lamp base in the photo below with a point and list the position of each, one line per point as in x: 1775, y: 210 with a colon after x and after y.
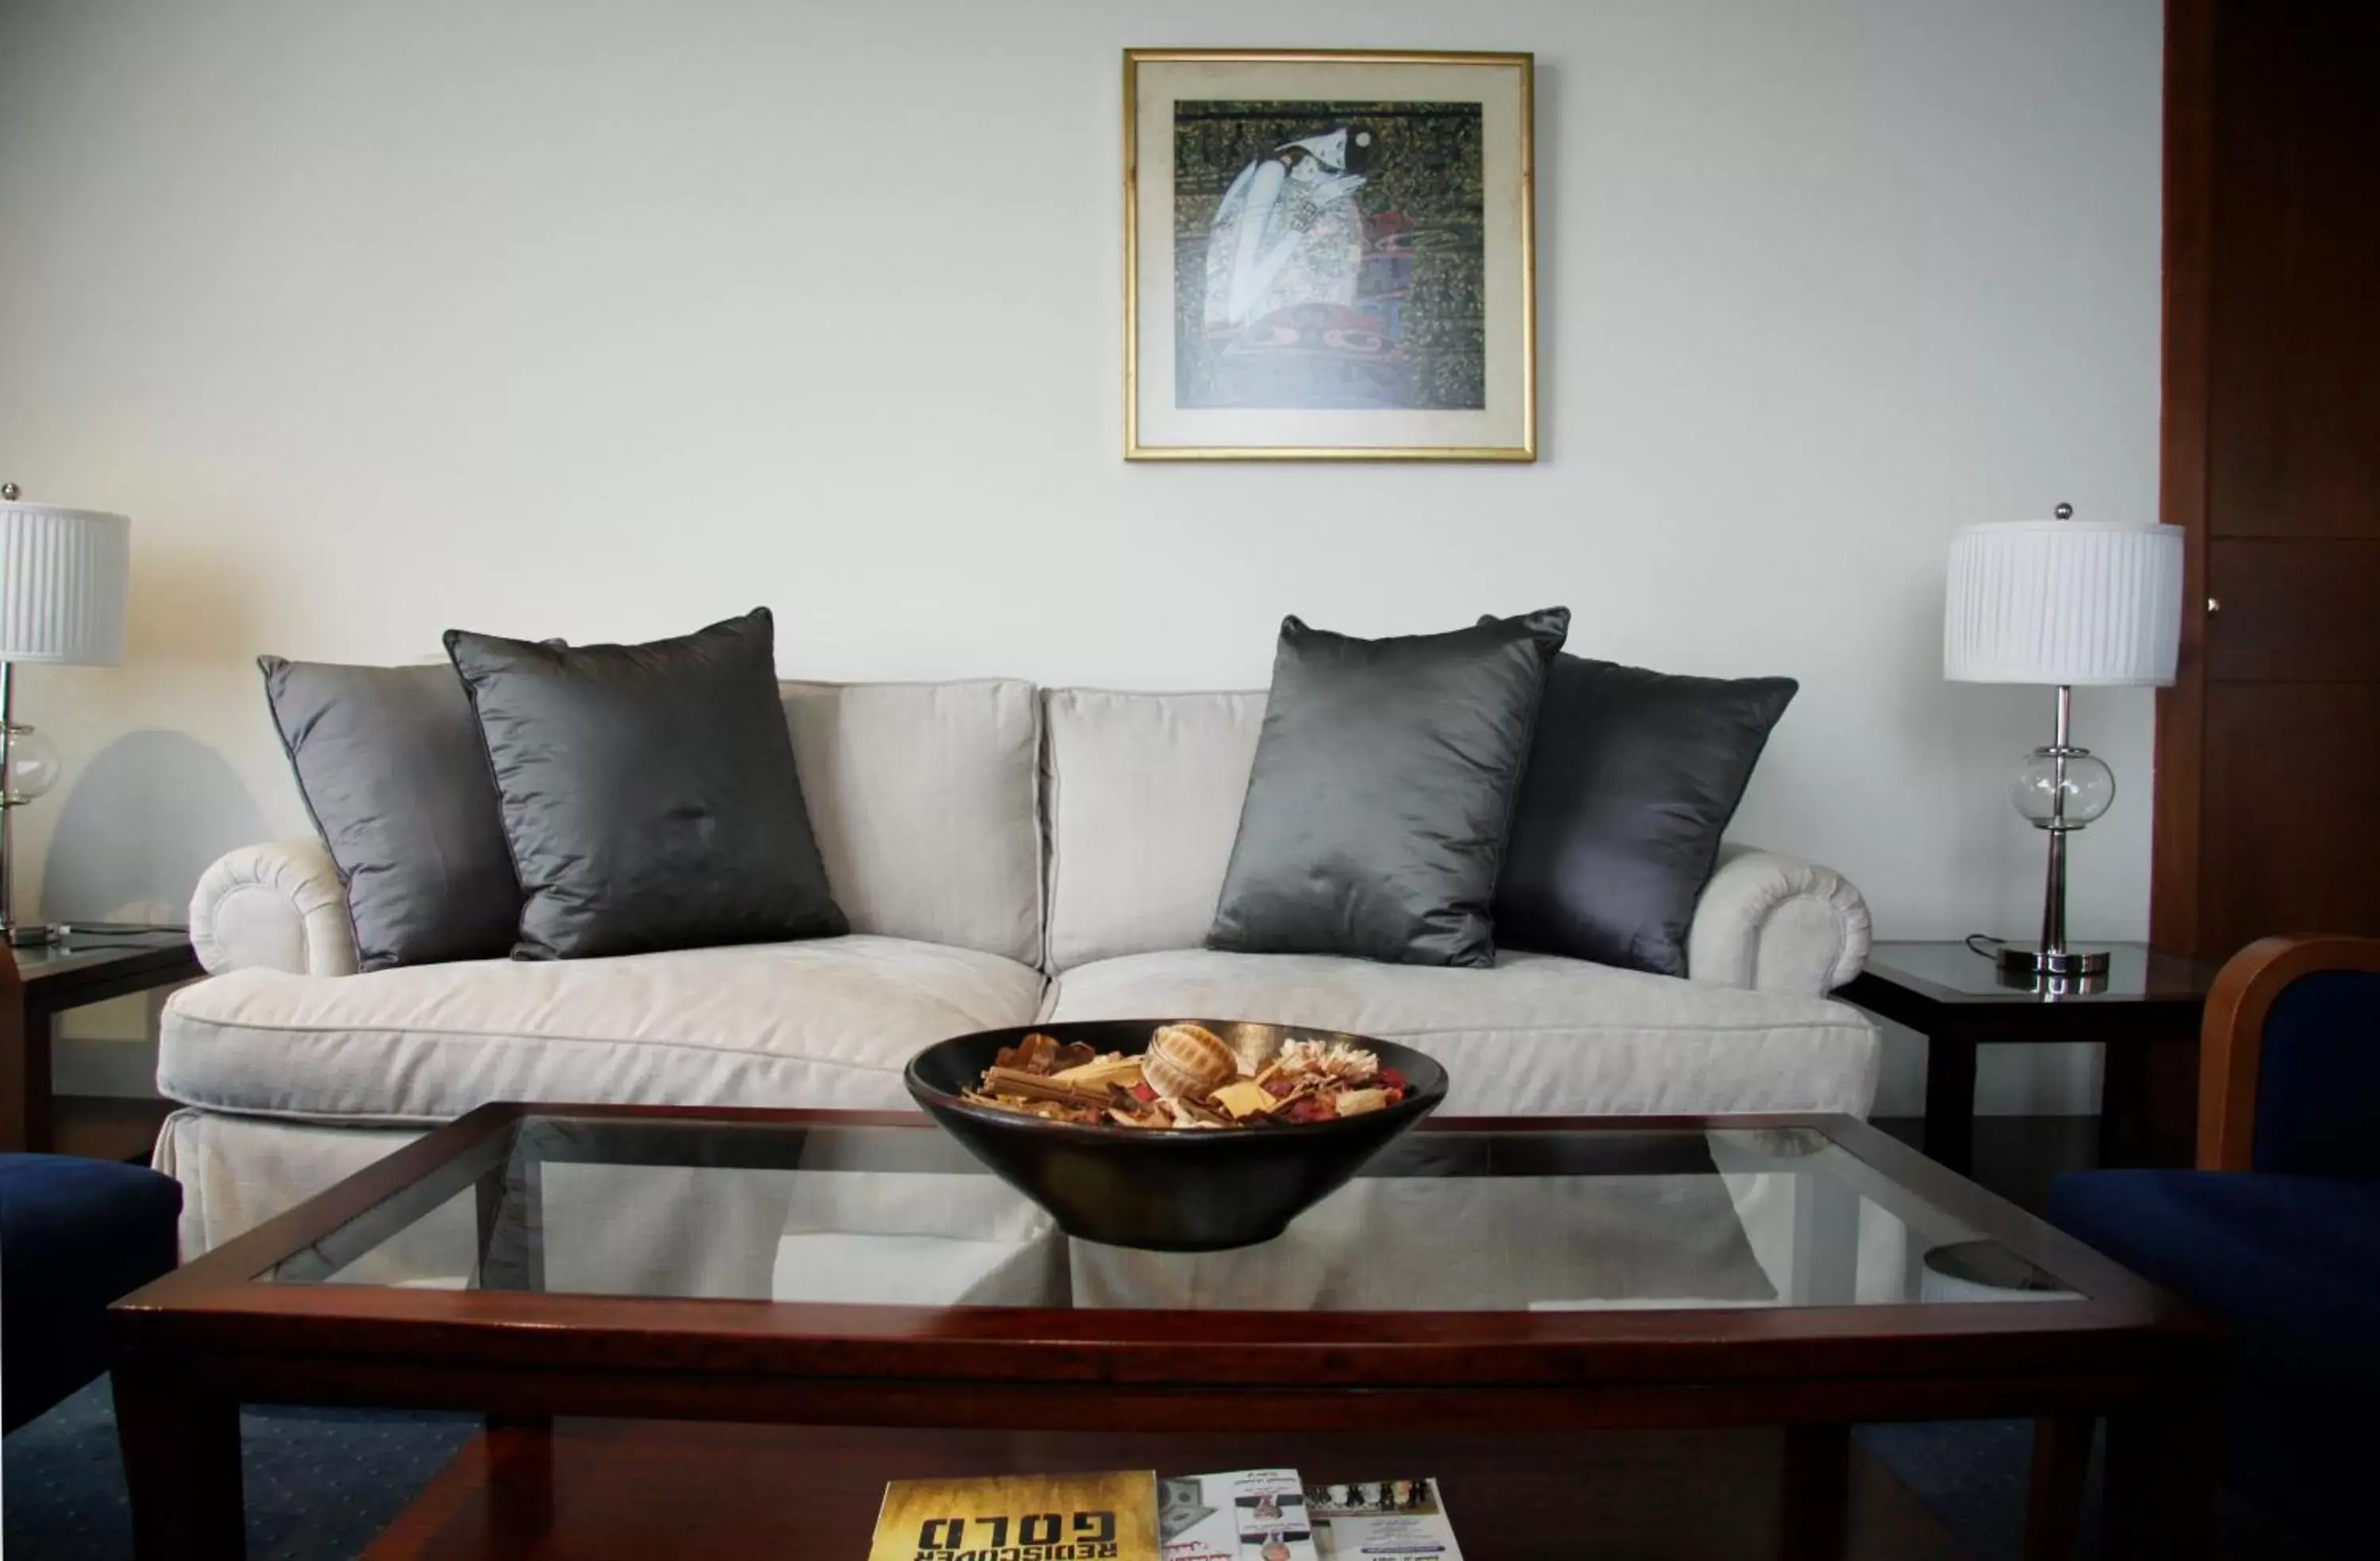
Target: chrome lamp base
x: 2029, y: 966
x: 2061, y: 789
x: 26, y: 768
x: 33, y: 935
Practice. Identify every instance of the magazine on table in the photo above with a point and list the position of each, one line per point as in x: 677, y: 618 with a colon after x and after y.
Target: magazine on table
x: 1019, y: 1517
x: 1272, y: 1514
x: 1246, y: 1515
x: 1381, y: 1520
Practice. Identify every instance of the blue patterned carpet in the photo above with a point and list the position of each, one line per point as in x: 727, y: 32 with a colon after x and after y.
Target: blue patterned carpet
x: 321, y: 1483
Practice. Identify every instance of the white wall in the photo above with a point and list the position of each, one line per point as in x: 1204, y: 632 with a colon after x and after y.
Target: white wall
x: 608, y: 320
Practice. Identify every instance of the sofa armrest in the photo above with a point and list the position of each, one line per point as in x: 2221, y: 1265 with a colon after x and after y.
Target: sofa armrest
x: 1776, y: 924
x: 273, y: 907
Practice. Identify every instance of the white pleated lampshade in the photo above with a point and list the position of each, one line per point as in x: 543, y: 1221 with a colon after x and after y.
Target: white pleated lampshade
x: 2063, y: 602
x: 62, y: 581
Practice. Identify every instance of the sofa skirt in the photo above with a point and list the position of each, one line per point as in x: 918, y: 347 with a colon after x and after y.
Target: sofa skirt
x: 827, y: 1232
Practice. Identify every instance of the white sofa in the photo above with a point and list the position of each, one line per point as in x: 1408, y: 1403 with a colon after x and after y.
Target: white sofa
x: 1006, y: 854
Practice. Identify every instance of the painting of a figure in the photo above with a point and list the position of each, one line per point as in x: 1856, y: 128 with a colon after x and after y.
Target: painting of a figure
x: 1329, y: 255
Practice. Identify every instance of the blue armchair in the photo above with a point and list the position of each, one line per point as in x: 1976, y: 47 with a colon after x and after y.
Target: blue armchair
x: 2277, y: 1231
x: 74, y: 1235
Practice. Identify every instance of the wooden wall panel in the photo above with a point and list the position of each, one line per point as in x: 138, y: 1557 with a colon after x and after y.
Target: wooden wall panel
x: 2293, y: 771
x: 2268, y: 744
x: 2174, y: 886
x: 2297, y: 244
x: 2294, y: 609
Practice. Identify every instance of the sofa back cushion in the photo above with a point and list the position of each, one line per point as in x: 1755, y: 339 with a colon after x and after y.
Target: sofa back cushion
x: 1143, y: 803
x: 924, y: 798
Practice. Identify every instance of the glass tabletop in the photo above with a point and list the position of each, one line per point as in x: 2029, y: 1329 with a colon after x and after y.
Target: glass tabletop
x: 91, y: 944
x: 1454, y: 1220
x: 1956, y: 972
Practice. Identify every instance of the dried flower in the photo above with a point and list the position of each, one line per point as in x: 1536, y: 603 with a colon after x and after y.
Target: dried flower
x: 1332, y: 1060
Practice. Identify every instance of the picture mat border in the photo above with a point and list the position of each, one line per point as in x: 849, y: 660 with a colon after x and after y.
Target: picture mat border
x: 1524, y: 68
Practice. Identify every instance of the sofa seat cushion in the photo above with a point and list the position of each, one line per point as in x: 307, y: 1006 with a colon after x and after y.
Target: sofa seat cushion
x: 822, y: 1023
x: 1535, y: 1034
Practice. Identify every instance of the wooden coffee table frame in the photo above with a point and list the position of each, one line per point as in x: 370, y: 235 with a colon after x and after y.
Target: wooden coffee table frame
x: 193, y: 1346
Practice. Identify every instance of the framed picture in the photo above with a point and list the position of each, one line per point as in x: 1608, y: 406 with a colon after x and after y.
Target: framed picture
x: 1329, y: 255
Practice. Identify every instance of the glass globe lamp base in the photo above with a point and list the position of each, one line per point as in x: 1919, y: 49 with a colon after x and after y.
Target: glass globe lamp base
x: 2061, y: 789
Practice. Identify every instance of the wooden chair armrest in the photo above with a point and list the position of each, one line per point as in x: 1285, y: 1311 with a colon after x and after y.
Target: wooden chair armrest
x: 2231, y: 1039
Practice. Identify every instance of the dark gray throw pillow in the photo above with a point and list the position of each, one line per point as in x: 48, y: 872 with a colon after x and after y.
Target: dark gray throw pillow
x: 1383, y: 790
x: 389, y: 761
x: 1631, y: 783
x: 647, y: 791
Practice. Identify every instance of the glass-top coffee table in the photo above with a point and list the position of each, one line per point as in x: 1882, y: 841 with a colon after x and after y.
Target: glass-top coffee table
x: 842, y: 1269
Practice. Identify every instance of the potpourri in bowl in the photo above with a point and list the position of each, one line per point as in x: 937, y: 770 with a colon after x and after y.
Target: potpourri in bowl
x: 1181, y: 1135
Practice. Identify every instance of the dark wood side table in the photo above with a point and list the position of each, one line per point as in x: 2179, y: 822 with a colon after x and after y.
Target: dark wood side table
x: 90, y: 967
x: 2145, y: 1013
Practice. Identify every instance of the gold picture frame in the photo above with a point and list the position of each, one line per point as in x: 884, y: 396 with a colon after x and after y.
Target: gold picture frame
x: 1357, y: 333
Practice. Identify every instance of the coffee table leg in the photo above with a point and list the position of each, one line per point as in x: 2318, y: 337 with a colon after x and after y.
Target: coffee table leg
x: 520, y: 1462
x: 24, y: 1070
x: 2061, y: 1467
x: 2164, y: 1461
x: 1813, y: 1513
x: 1951, y: 1099
x: 181, y: 1461
x: 2148, y: 1101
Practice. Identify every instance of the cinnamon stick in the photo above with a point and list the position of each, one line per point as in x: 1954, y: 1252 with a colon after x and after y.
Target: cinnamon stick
x: 1036, y: 1086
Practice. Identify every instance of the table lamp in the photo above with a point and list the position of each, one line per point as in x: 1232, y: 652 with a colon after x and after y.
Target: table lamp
x: 2062, y: 602
x: 62, y: 578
